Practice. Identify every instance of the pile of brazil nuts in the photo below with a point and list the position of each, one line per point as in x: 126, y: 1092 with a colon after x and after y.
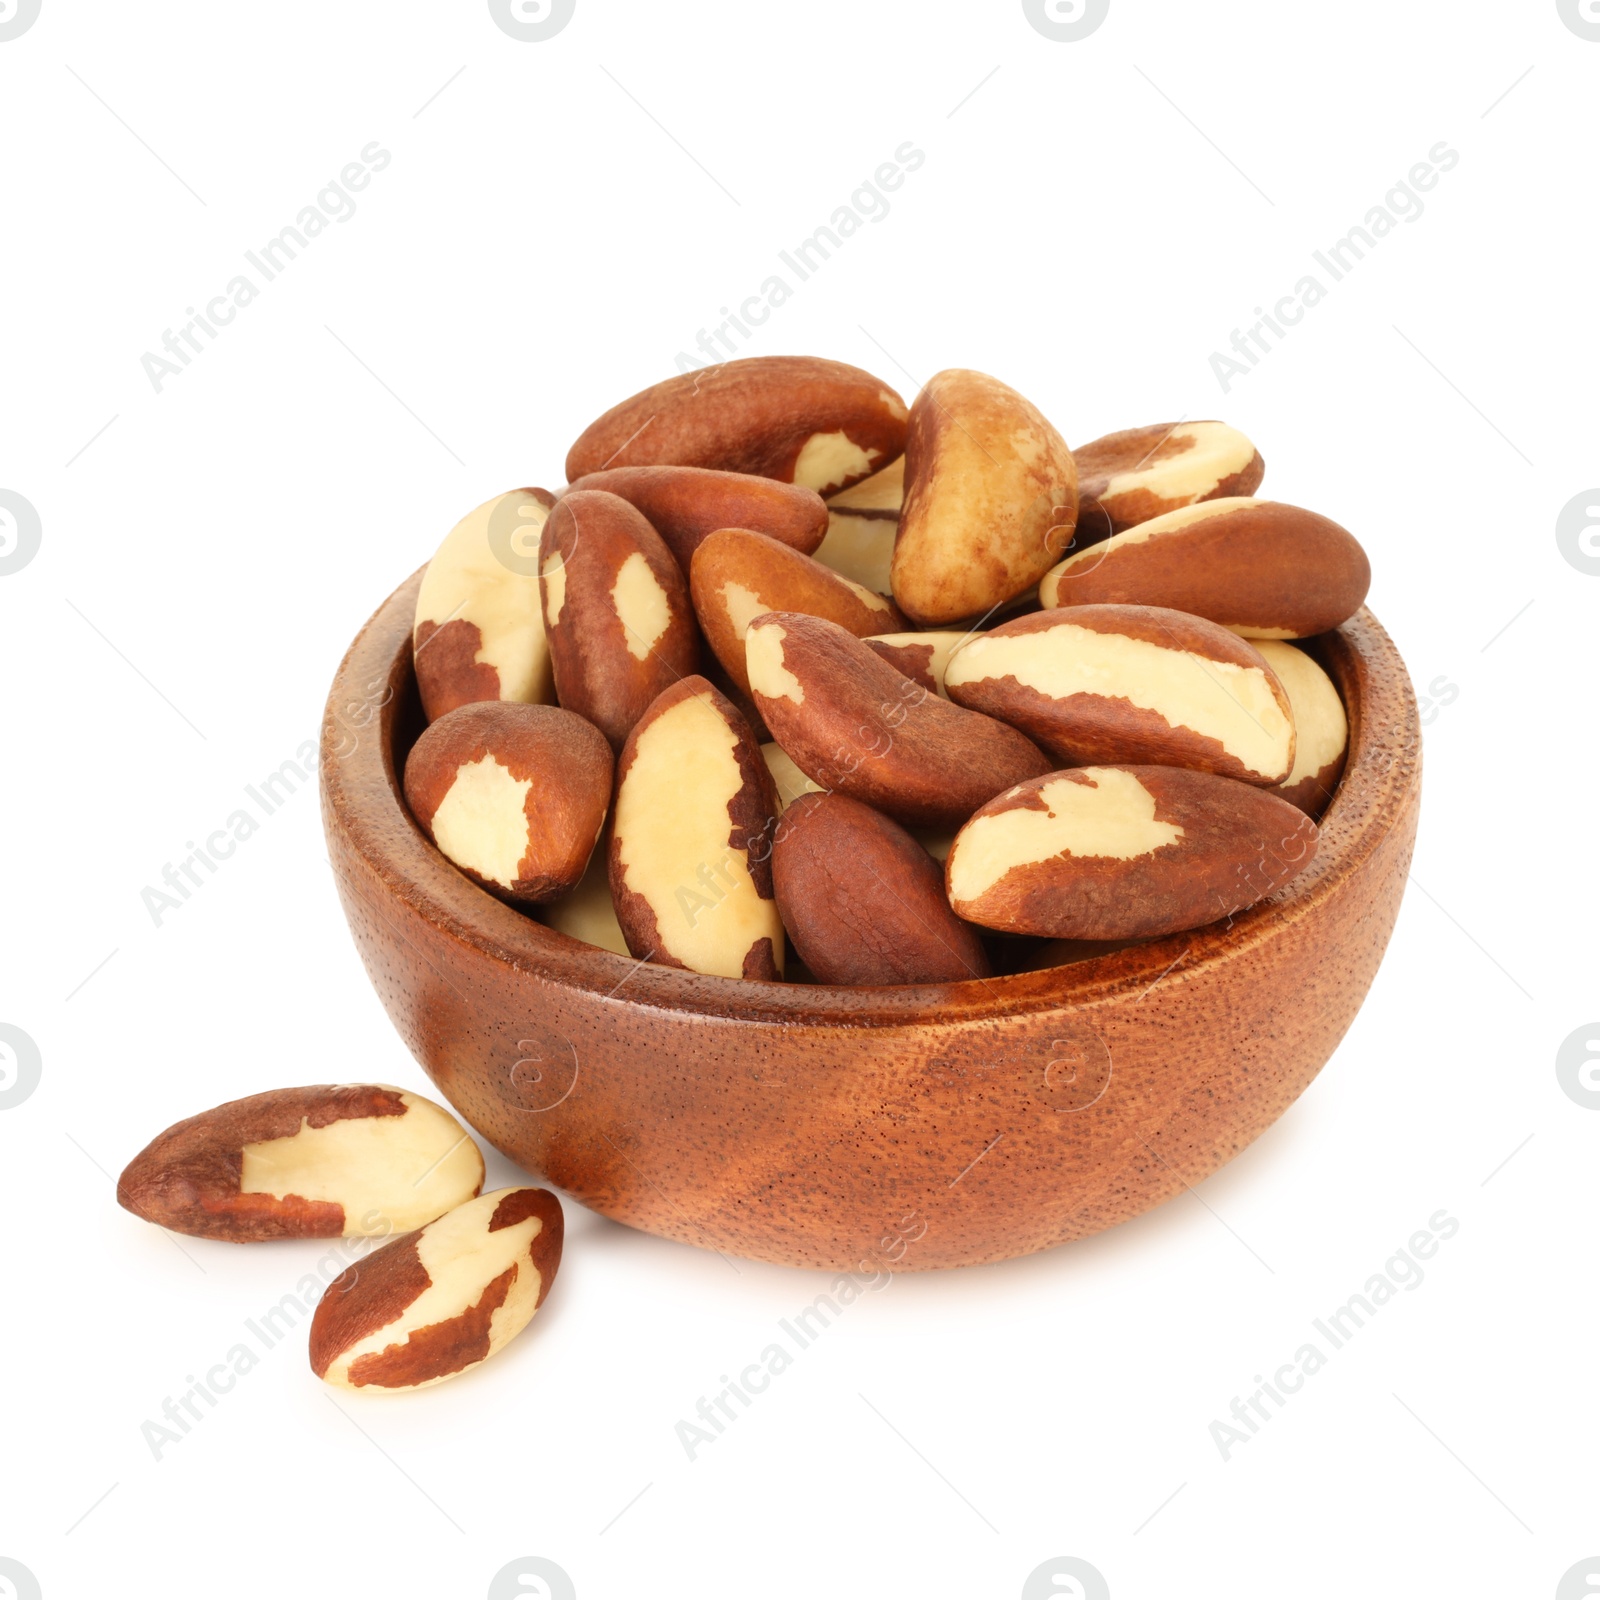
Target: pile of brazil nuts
x: 924, y: 695
x: 793, y: 683
x: 461, y: 1273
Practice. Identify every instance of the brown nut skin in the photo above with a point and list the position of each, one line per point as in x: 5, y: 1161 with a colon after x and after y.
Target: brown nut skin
x: 1118, y: 684
x: 1125, y: 852
x: 684, y: 504
x: 217, y: 1175
x: 799, y: 419
x: 863, y: 902
x: 514, y: 796
x: 616, y: 611
x: 922, y: 657
x: 436, y: 1302
x: 737, y: 575
x: 691, y: 840
x: 1321, y: 728
x: 852, y: 723
x: 1258, y: 567
x: 479, y: 631
x: 991, y: 499
x: 1129, y: 477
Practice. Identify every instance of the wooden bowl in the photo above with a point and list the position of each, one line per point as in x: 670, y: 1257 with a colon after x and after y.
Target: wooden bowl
x: 846, y: 1128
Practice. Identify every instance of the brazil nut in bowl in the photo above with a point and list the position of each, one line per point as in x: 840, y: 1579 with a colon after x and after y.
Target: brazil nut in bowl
x: 825, y: 1126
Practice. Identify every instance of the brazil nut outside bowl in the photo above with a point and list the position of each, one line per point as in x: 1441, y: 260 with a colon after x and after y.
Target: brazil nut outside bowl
x: 926, y: 1126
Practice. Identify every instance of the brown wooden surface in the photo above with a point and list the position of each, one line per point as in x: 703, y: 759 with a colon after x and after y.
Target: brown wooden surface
x: 818, y: 1126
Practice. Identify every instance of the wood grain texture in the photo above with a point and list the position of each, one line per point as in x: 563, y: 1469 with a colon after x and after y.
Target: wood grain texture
x: 825, y: 1127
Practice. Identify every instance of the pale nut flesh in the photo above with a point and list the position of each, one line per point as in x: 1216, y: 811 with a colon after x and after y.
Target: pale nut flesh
x: 586, y: 913
x: 439, y: 1301
x: 787, y: 778
x: 1129, y: 477
x: 862, y: 523
x: 479, y: 632
x: 1141, y: 684
x: 1321, y: 728
x: 515, y: 796
x: 1124, y: 852
x: 355, y: 1159
x: 617, y: 612
x: 690, y: 852
x: 922, y: 657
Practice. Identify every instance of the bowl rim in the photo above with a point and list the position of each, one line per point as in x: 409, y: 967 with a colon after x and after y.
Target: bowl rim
x: 374, y: 693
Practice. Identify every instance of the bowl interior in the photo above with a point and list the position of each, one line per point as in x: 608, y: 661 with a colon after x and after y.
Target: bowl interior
x: 375, y: 694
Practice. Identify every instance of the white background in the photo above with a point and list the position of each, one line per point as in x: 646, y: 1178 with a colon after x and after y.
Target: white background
x: 558, y: 221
